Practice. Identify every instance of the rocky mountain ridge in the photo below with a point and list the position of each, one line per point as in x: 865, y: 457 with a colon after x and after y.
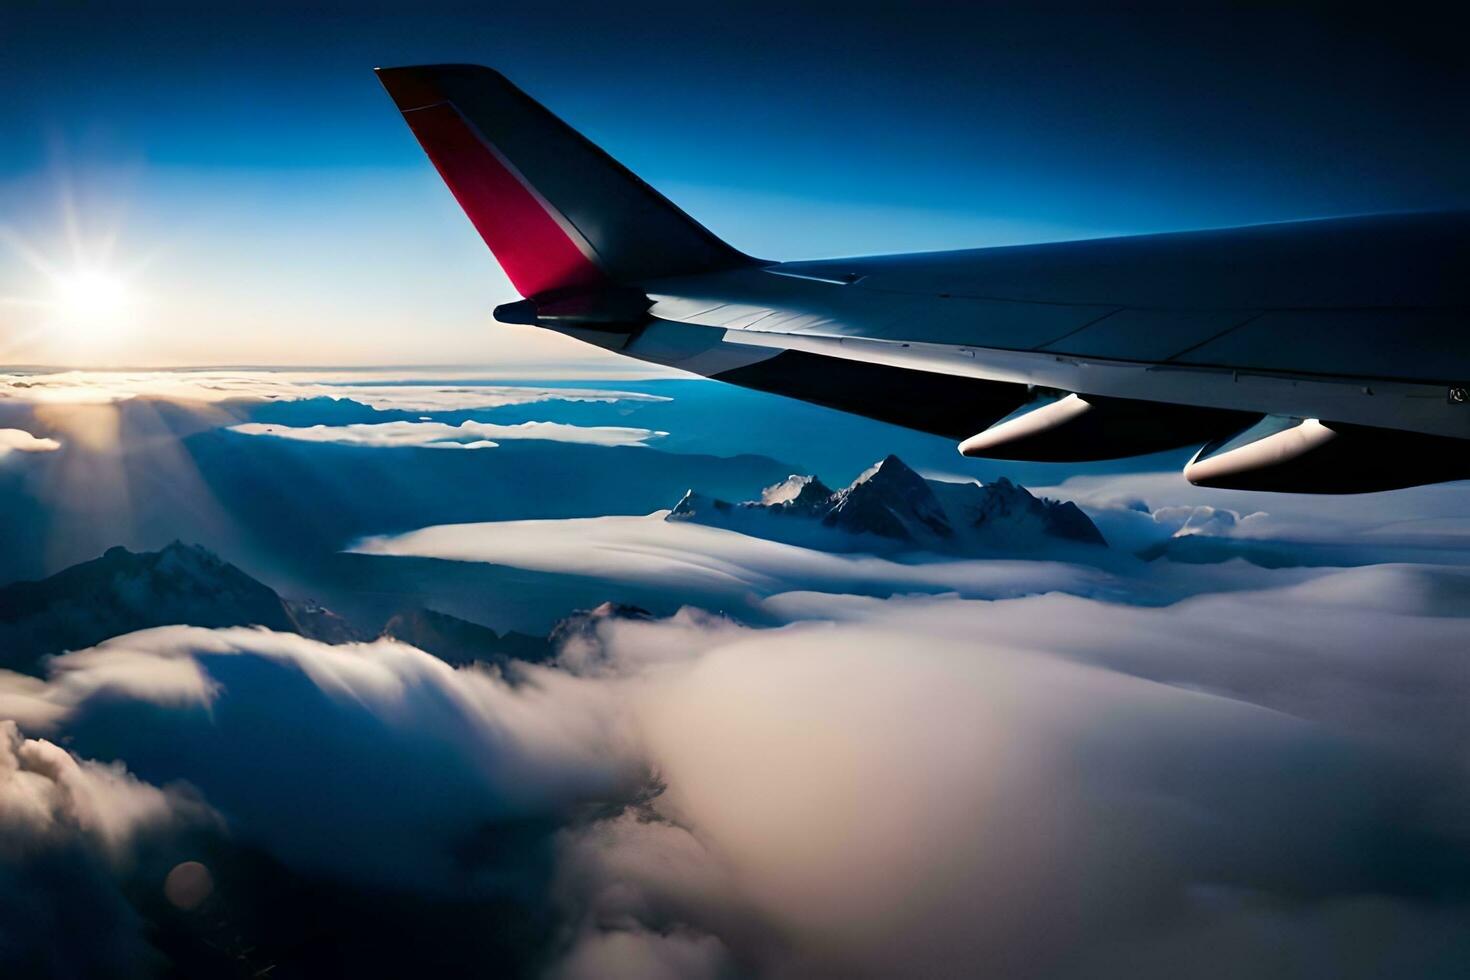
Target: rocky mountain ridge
x: 124, y: 591
x: 890, y: 507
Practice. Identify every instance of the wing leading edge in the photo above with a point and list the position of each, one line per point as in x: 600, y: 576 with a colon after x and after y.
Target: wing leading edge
x: 1322, y: 356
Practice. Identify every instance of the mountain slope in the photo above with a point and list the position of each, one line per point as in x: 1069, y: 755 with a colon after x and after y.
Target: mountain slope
x: 459, y: 642
x: 123, y: 591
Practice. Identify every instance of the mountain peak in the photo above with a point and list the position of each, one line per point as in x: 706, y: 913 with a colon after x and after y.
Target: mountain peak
x: 799, y: 493
x: 888, y: 468
x: 891, y: 506
x: 890, y: 500
x: 692, y: 505
x: 1007, y: 513
x: 617, y: 610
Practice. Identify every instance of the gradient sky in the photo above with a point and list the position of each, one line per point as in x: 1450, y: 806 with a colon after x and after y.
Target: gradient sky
x: 271, y: 207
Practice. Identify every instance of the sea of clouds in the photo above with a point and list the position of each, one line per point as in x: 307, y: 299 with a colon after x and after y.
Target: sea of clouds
x: 1262, y: 783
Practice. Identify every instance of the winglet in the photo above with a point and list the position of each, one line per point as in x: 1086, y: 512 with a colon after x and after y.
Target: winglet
x: 561, y: 215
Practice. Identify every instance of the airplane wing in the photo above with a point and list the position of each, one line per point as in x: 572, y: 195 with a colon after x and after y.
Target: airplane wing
x: 1321, y: 356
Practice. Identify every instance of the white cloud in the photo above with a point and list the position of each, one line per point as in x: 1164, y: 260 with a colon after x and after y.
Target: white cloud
x: 675, y: 562
x: 21, y: 441
x: 1183, y: 521
x: 69, y: 829
x: 441, y: 435
x: 408, y: 392
x: 1374, y: 652
x: 1137, y: 510
x: 49, y: 796
x: 363, y: 759
x: 642, y: 643
x: 705, y: 564
x: 1067, y: 787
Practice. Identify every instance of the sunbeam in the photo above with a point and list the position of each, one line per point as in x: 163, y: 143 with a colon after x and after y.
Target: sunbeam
x: 83, y: 303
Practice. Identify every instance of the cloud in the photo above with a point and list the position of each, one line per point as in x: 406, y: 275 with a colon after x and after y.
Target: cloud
x: 1376, y: 652
x: 663, y: 564
x: 367, y: 787
x: 405, y: 392
x: 364, y: 760
x: 1053, y: 785
x: 441, y: 435
x: 710, y: 565
x: 21, y: 441
x: 1136, y: 511
x: 70, y: 830
x: 1204, y: 519
x: 48, y: 794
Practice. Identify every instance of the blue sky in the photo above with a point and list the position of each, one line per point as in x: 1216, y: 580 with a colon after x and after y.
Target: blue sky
x: 269, y: 205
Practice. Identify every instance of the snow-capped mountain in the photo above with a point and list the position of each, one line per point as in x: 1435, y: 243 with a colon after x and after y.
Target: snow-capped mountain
x: 892, y: 508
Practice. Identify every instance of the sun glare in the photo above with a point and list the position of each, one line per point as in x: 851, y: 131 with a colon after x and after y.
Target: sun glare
x: 83, y: 302
x: 92, y: 300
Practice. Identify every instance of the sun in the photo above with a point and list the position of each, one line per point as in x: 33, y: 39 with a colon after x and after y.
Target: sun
x: 87, y: 299
x: 92, y: 301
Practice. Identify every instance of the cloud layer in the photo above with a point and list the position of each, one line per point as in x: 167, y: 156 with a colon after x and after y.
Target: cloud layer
x: 1046, y: 786
x: 709, y: 564
x: 442, y: 435
x: 1053, y: 786
x: 428, y: 393
x: 1142, y: 511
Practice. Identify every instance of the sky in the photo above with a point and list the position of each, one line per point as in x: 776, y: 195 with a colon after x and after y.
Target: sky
x: 244, y: 176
